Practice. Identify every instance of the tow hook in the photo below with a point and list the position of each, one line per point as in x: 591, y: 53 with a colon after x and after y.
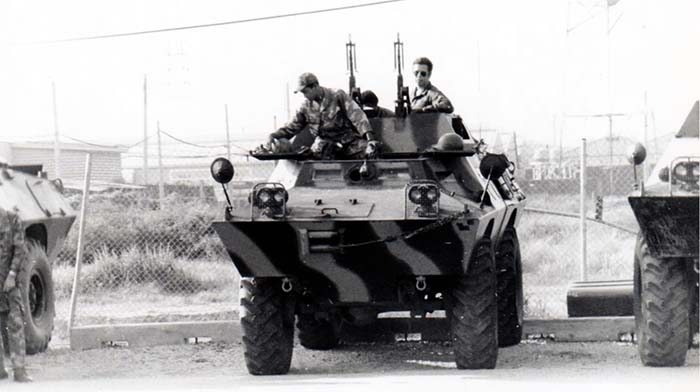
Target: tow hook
x: 420, y: 283
x: 286, y: 285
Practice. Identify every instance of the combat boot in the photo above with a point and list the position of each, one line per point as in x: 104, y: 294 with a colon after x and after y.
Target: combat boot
x: 21, y: 375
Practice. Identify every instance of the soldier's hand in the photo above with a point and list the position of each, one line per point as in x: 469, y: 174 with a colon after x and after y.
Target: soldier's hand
x: 270, y: 141
x: 10, y: 282
x: 372, y: 149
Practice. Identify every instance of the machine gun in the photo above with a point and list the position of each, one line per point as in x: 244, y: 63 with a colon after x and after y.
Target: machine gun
x: 402, y: 105
x: 350, y: 57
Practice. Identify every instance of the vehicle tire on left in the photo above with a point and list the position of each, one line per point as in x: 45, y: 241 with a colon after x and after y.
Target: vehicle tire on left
x: 267, y: 321
x: 38, y: 300
x: 509, y: 289
x: 473, y: 312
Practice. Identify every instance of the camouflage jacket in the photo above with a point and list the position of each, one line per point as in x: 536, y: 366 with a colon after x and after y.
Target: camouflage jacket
x: 337, y: 117
x: 13, y: 249
x: 431, y: 99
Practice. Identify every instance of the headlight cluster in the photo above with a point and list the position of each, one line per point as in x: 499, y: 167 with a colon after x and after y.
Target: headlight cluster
x: 270, y: 199
x: 684, y: 170
x: 687, y: 171
x: 426, y: 197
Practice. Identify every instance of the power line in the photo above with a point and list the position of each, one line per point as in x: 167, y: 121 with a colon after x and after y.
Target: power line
x: 199, y: 26
x: 199, y: 145
x: 94, y: 144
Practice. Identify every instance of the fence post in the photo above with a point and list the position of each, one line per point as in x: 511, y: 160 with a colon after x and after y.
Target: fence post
x: 161, y: 191
x: 79, y: 253
x: 584, y: 267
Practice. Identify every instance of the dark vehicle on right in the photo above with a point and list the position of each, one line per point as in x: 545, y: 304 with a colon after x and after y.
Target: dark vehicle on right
x: 666, y: 254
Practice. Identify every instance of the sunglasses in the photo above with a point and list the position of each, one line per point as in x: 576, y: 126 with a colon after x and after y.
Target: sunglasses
x: 421, y: 73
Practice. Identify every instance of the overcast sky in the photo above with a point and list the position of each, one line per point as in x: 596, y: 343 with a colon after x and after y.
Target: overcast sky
x: 506, y: 65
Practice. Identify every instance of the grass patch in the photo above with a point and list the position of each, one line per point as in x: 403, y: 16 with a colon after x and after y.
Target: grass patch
x: 158, y: 268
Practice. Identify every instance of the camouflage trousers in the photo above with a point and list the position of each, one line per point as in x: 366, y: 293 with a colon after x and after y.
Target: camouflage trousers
x: 12, y: 322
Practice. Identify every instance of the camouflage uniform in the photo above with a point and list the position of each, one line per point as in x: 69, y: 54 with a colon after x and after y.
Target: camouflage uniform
x: 430, y: 99
x: 13, y: 257
x: 336, y: 122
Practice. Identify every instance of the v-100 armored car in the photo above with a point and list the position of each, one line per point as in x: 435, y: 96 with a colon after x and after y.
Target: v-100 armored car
x: 428, y: 225
x: 46, y: 217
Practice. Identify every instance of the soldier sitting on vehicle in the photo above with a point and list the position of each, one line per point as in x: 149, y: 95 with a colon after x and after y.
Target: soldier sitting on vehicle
x: 370, y: 105
x: 426, y: 97
x: 339, y: 126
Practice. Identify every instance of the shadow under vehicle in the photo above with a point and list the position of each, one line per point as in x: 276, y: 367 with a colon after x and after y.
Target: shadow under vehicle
x: 46, y: 216
x: 428, y: 225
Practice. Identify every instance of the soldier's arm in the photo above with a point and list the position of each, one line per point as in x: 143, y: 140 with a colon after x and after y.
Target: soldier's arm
x: 356, y: 116
x: 19, y: 244
x: 293, y: 127
x: 441, y: 103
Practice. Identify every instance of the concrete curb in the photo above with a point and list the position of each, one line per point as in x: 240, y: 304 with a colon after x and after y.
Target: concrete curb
x: 587, y: 329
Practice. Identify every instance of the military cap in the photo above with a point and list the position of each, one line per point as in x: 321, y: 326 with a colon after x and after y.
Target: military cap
x: 306, y: 79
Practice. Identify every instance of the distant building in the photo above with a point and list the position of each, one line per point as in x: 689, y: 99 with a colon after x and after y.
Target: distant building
x: 607, y: 169
x: 106, y: 161
x: 196, y: 172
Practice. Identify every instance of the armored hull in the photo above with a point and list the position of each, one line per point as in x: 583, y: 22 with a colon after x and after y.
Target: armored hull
x: 421, y: 228
x: 666, y: 254
x: 46, y: 216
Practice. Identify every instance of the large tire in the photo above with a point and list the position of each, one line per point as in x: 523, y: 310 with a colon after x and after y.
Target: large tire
x: 316, y: 334
x: 662, y: 307
x: 509, y: 289
x: 38, y: 300
x: 473, y: 312
x: 267, y: 320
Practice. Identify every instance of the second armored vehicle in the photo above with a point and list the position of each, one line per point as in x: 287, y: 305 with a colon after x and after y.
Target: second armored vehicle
x: 666, y: 255
x: 46, y: 216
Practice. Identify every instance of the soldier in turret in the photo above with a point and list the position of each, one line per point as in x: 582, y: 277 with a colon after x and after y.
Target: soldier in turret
x: 370, y: 105
x: 13, y: 258
x: 427, y: 97
x: 339, y: 125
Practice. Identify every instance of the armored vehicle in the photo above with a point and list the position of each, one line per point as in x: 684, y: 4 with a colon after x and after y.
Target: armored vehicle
x: 666, y: 254
x: 428, y: 225
x: 46, y: 217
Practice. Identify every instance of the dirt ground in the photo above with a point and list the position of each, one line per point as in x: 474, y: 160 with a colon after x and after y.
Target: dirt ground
x: 531, y: 360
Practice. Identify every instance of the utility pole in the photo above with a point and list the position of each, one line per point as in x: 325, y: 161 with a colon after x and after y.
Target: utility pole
x: 228, y: 135
x: 610, y: 140
x: 646, y: 136
x: 517, y: 156
x: 56, y: 140
x: 289, y: 113
x: 145, y: 130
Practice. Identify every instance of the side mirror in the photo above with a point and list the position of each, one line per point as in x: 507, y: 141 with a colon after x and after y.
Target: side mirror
x: 637, y: 154
x: 222, y: 170
x: 493, y: 165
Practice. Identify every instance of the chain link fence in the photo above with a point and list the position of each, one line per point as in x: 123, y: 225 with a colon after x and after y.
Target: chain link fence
x: 150, y: 254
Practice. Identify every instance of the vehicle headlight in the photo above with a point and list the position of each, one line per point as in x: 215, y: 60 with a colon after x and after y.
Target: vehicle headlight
x: 426, y: 196
x: 680, y: 170
x: 270, y: 199
x: 687, y: 171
